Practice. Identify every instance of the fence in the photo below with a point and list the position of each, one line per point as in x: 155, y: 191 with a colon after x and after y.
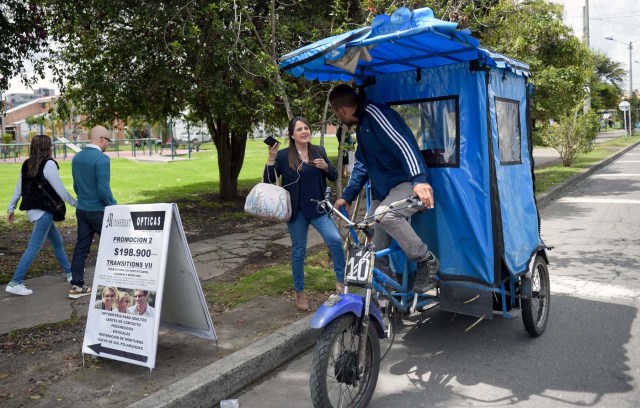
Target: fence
x: 130, y: 147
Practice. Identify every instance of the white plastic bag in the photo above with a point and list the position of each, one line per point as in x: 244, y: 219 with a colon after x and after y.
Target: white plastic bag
x: 269, y: 201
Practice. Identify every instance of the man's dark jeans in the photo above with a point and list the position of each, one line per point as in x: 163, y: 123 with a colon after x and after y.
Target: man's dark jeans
x: 89, y: 224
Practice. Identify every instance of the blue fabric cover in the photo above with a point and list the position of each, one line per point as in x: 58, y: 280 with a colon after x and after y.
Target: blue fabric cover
x: 517, y: 206
x: 458, y: 231
x: 400, y: 42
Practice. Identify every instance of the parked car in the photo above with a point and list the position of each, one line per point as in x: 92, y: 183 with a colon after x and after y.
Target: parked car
x: 197, y: 136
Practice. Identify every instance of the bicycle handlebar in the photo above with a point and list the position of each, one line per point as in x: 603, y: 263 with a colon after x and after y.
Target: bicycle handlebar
x: 411, y: 201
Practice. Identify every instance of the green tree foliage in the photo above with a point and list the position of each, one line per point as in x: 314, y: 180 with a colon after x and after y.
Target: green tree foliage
x: 533, y: 31
x: 22, y: 37
x: 572, y: 134
x: 153, y: 59
x: 219, y: 62
x: 606, y: 82
x: 35, y: 121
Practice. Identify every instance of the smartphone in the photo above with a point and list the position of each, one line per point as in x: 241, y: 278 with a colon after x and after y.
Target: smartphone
x: 270, y: 140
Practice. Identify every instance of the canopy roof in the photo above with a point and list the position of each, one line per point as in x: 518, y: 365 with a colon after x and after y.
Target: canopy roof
x: 407, y: 40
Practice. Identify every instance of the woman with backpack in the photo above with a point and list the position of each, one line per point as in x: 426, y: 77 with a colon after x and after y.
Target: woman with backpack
x: 41, y: 190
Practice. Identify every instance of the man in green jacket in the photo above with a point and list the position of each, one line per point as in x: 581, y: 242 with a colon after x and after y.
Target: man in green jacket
x: 91, y: 171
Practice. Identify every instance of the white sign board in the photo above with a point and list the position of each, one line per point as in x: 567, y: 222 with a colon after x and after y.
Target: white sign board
x: 143, y: 250
x: 624, y: 106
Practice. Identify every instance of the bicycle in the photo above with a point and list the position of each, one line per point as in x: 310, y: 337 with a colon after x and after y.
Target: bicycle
x: 341, y: 357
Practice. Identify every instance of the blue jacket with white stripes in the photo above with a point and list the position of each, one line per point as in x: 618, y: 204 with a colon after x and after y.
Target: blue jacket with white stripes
x: 387, y: 153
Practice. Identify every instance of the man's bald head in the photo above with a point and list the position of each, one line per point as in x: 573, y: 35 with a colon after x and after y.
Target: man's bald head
x: 99, y: 136
x: 97, y: 132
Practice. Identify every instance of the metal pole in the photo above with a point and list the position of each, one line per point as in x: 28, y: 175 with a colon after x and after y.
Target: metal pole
x: 171, y: 137
x: 133, y: 140
x: 630, y: 70
x: 53, y: 137
x: 189, y: 137
x: 64, y: 136
x: 585, y: 19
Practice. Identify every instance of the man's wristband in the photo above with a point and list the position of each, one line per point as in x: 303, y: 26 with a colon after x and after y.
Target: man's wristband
x: 270, y: 163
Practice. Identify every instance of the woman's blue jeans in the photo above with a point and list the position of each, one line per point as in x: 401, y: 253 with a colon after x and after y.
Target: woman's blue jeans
x: 43, y: 228
x: 298, y: 230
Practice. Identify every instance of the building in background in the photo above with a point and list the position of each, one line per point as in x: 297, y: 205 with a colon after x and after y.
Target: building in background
x: 15, y: 99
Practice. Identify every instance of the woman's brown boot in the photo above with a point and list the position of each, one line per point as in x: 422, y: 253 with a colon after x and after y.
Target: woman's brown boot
x: 301, y: 302
x: 339, y: 288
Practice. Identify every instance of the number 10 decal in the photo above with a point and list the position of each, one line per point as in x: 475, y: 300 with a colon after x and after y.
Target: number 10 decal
x: 358, y: 265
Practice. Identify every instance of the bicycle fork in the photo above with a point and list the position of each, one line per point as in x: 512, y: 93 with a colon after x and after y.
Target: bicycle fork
x: 366, y: 320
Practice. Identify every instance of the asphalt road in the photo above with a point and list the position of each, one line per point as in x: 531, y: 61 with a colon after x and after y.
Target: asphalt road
x: 588, y: 355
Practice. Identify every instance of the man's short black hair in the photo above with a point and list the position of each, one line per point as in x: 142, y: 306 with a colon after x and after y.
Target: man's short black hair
x: 343, y: 95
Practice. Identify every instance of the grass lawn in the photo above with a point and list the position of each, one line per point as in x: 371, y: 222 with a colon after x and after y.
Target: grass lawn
x: 139, y: 182
x: 553, y: 175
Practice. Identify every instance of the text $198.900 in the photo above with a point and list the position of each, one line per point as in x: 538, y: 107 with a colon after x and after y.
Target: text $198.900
x: 132, y: 252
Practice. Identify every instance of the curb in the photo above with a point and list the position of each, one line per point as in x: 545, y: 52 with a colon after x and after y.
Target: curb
x: 559, y: 190
x: 228, y: 376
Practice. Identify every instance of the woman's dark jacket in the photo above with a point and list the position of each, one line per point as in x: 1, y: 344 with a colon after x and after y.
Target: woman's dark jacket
x: 33, y: 197
x: 310, y: 184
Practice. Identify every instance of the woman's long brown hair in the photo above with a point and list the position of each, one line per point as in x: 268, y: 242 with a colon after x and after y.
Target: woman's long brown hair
x: 293, y: 155
x: 39, y: 151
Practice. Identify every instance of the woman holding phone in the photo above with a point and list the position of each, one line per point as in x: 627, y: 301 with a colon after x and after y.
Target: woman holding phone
x: 304, y: 169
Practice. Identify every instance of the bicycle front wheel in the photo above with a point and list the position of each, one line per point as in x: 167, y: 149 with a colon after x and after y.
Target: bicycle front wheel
x: 335, y: 382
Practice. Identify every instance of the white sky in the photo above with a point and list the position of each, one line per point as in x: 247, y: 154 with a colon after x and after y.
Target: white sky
x: 619, y: 19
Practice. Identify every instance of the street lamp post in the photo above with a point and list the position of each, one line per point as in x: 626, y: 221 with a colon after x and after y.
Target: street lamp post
x: 630, y: 47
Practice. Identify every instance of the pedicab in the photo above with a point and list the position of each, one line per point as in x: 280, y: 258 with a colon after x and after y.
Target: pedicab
x: 470, y: 111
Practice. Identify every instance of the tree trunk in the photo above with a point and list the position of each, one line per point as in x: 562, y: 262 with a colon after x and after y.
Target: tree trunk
x: 230, y: 147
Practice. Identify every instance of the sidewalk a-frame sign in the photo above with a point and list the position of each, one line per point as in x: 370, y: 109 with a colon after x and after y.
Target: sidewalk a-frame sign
x: 144, y: 276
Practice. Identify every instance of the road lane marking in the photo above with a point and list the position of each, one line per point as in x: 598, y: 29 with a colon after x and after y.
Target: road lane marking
x: 598, y: 290
x: 594, y: 200
x: 597, y: 176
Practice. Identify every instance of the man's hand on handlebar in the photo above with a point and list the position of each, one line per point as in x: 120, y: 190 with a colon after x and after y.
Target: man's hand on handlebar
x: 340, y: 202
x: 424, y: 193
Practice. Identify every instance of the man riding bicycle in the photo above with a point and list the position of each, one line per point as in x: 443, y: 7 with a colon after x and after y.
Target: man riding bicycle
x: 388, y: 155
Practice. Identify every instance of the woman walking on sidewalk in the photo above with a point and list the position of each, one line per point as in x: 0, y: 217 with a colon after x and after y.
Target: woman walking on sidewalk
x: 40, y: 187
x: 305, y: 169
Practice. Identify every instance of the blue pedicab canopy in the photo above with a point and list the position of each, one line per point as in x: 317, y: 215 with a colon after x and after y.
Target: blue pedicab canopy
x: 471, y: 125
x: 406, y: 40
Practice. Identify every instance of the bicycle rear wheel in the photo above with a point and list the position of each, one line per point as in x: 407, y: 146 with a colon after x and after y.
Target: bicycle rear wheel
x: 334, y: 370
x: 537, y: 294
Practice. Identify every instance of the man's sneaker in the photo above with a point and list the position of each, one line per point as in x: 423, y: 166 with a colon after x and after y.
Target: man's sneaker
x: 425, y: 279
x: 78, y: 291
x: 18, y: 289
x: 68, y: 276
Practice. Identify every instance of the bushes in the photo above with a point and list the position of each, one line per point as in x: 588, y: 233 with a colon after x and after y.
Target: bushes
x: 572, y: 135
x: 7, y: 138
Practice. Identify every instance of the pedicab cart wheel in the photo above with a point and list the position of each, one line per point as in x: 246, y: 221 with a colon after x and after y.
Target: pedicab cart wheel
x: 536, y: 295
x: 334, y: 377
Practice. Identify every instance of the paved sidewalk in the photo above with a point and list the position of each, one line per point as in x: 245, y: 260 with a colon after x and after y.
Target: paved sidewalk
x: 212, y: 258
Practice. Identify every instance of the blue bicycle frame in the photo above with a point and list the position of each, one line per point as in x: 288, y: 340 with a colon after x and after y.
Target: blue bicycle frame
x: 402, y: 298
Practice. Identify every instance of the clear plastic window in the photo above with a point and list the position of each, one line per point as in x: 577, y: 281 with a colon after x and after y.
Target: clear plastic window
x: 435, y: 125
x: 509, y: 138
